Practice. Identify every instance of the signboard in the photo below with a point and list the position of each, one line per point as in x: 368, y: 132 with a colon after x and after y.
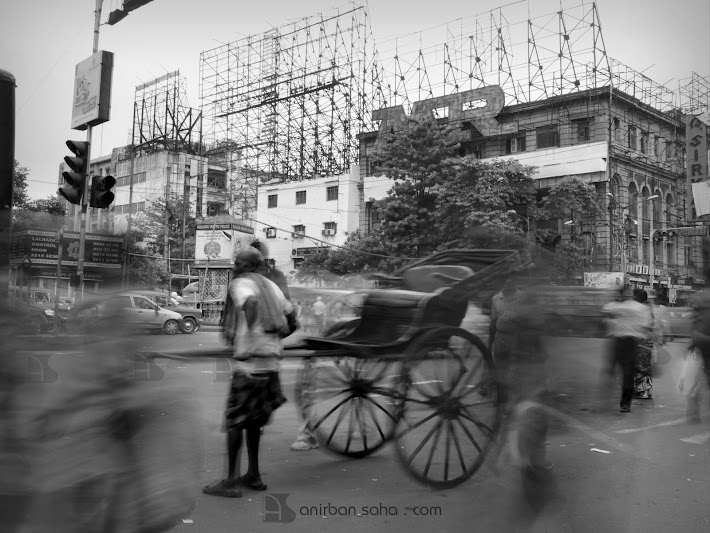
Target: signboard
x: 700, y: 231
x: 478, y: 106
x: 672, y: 296
x: 91, y: 104
x: 696, y: 168
x: 40, y: 246
x: 604, y: 280
x: 308, y: 250
x: 221, y: 242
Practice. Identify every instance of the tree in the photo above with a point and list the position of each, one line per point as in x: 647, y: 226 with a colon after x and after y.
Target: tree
x: 20, y: 198
x: 439, y: 200
x: 574, y: 202
x: 181, y: 229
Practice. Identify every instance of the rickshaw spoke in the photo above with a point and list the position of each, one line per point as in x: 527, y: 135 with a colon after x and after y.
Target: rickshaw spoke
x: 423, y: 442
x: 395, y: 394
x: 381, y: 408
x: 470, y: 437
x: 337, y: 424
x: 374, y: 419
x: 351, y: 427
x: 446, y: 449
x: 462, y: 461
x: 420, y: 423
x: 359, y: 423
x: 342, y: 379
x: 345, y: 368
x: 466, y: 372
x: 332, y: 411
x: 433, y: 447
x: 465, y: 414
x: 473, y: 389
x: 320, y: 400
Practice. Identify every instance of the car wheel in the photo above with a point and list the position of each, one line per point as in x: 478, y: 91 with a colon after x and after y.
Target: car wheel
x: 189, y: 325
x: 34, y: 327
x: 171, y: 327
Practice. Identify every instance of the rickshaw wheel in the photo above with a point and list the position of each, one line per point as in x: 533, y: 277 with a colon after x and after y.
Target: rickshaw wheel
x: 452, y: 408
x: 351, y: 404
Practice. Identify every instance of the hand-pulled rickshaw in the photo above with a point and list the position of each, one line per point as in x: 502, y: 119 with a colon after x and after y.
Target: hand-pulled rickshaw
x: 406, y: 370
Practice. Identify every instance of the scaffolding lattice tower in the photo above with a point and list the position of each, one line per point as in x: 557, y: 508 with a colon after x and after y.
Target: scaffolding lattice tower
x: 695, y: 94
x: 288, y: 104
x: 161, y: 114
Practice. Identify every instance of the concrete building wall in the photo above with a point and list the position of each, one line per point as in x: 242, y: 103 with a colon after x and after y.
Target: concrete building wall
x: 309, y: 205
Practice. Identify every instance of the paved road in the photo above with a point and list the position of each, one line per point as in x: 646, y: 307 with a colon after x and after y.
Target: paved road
x: 647, y: 471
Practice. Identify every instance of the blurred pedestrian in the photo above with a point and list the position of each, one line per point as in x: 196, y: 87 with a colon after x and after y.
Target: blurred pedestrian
x: 628, y: 323
x: 521, y: 365
x: 643, y: 380
x: 256, y: 327
x: 319, y: 314
x: 499, y: 304
x: 270, y: 271
x: 700, y: 302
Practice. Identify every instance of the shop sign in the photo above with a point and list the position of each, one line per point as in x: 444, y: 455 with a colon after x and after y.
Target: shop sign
x: 40, y: 246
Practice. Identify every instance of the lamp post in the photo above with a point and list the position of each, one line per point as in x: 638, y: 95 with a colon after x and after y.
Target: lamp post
x: 527, y: 221
x: 623, y: 232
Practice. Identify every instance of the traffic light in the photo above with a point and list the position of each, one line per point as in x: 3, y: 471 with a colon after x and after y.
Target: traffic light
x: 101, y: 195
x: 76, y: 178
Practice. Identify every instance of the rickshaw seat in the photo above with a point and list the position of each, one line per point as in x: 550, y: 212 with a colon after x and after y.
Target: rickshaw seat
x: 429, y: 278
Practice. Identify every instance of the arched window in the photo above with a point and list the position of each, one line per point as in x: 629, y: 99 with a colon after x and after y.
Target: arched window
x: 657, y: 209
x: 633, y: 200
x: 645, y: 193
x: 669, y: 211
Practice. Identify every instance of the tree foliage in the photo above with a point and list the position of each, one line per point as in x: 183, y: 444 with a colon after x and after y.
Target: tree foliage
x: 151, y: 224
x: 438, y: 201
x: 20, y: 197
x: 574, y: 201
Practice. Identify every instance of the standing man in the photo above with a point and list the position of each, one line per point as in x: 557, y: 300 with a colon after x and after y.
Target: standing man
x: 628, y: 322
x: 500, y: 303
x: 305, y: 439
x: 319, y: 314
x: 260, y: 310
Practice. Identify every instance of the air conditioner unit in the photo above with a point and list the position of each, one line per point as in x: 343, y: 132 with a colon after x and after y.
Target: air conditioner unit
x: 513, y: 146
x: 270, y: 233
x: 328, y: 232
x: 297, y: 235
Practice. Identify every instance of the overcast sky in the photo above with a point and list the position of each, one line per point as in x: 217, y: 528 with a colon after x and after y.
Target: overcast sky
x: 41, y: 41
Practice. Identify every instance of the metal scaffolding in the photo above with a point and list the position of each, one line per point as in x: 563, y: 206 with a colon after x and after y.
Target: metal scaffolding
x: 161, y: 113
x: 695, y: 94
x: 287, y: 104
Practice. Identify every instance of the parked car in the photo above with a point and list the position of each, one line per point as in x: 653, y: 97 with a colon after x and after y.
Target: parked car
x: 39, y: 312
x: 139, y: 313
x: 191, y: 316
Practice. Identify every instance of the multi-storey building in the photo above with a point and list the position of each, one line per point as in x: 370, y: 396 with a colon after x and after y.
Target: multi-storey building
x: 631, y: 152
x: 156, y: 175
x: 297, y: 218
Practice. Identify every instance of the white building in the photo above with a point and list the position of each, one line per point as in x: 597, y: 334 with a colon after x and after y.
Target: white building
x: 295, y: 218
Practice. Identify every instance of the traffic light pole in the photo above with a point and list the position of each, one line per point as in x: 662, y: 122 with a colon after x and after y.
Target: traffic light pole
x: 85, y: 185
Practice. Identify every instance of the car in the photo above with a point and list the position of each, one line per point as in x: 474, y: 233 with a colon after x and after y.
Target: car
x: 138, y: 313
x: 39, y: 314
x: 191, y: 316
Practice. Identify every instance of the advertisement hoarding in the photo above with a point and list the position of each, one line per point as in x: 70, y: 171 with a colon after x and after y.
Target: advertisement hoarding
x: 91, y: 102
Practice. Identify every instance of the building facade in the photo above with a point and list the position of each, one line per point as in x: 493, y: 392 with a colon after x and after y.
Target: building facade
x: 297, y: 218
x: 632, y: 153
x: 157, y: 175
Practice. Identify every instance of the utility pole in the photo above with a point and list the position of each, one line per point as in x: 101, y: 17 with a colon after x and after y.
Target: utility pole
x: 7, y: 168
x: 87, y: 181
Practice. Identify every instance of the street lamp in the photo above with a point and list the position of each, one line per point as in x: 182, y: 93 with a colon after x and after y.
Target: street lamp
x: 527, y: 221
x: 623, y: 233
